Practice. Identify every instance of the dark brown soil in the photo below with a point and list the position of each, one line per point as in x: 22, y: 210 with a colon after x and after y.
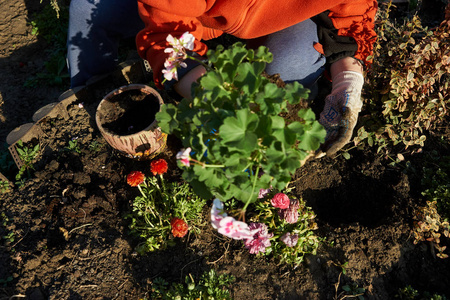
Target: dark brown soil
x: 129, y: 112
x: 72, y: 239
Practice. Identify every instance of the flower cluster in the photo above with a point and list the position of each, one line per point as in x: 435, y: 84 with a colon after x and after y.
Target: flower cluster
x: 288, y: 207
x: 177, y: 54
x: 288, y: 211
x: 163, y: 209
x: 256, y: 236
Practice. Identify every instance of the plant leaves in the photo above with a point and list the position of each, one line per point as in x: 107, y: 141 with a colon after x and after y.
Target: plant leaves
x: 238, y: 132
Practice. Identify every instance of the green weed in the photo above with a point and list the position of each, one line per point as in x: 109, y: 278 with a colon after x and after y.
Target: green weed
x: 73, y: 146
x: 27, y: 155
x: 95, y: 146
x: 210, y: 286
x: 409, y: 293
x: 53, y: 29
x: 436, y: 182
x: 8, y: 236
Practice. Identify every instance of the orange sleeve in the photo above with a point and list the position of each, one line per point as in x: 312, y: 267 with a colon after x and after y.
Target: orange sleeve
x: 357, y: 20
x: 151, y: 41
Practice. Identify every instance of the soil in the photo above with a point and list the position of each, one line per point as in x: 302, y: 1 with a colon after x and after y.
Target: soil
x: 128, y: 112
x: 72, y: 240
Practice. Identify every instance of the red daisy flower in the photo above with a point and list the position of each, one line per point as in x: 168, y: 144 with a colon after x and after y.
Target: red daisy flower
x: 135, y: 178
x: 158, y: 166
x: 179, y: 227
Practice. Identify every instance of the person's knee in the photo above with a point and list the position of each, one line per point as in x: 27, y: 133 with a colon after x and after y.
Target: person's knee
x: 295, y: 57
x: 79, y: 9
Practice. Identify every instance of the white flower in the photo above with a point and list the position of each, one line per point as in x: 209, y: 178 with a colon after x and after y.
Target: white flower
x: 184, y: 157
x: 187, y: 40
x: 217, y: 213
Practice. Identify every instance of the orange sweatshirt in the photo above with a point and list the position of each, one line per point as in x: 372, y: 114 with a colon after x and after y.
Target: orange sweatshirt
x: 246, y: 19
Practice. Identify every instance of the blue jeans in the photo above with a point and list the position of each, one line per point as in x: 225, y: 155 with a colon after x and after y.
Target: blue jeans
x: 96, y: 26
x: 294, y: 56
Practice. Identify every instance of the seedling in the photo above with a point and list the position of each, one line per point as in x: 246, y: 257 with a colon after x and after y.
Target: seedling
x: 27, y: 155
x: 73, y: 146
x: 95, y: 146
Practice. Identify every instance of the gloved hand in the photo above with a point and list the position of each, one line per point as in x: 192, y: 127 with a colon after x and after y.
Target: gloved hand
x: 341, y: 110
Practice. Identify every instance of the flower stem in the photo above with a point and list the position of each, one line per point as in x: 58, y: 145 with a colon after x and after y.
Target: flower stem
x: 141, y: 191
x: 207, y: 67
x: 206, y: 165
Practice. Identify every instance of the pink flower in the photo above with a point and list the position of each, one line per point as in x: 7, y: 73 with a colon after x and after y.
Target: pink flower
x: 170, y: 72
x: 177, y: 54
x: 290, y: 214
x: 262, y: 193
x: 289, y: 240
x: 217, y: 213
x: 260, y: 239
x: 234, y: 229
x: 280, y: 200
x: 228, y: 226
x: 171, y: 64
x: 183, y: 156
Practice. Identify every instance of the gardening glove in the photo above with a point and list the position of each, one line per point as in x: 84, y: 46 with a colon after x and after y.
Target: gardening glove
x: 341, y: 110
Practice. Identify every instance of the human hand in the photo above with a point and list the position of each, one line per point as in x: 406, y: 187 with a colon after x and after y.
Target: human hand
x: 341, y: 110
x: 183, y: 87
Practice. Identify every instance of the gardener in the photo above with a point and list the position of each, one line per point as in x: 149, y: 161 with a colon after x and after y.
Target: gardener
x: 306, y: 37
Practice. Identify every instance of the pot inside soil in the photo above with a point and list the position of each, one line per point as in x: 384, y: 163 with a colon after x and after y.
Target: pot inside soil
x: 126, y: 119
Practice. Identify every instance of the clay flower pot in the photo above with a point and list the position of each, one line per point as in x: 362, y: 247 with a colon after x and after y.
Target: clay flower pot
x: 126, y: 119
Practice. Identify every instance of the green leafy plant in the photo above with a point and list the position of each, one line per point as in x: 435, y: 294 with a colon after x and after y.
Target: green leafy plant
x: 436, y: 182
x: 163, y: 210
x: 95, y: 146
x: 409, y: 82
x: 7, y: 235
x: 53, y: 28
x: 27, y: 155
x: 233, y: 126
x: 4, y: 187
x: 73, y: 146
x: 353, y: 291
x: 409, y: 293
x: 210, y: 286
x: 55, y: 73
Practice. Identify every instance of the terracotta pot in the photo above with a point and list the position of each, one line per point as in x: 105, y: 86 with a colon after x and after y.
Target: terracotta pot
x: 126, y: 119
